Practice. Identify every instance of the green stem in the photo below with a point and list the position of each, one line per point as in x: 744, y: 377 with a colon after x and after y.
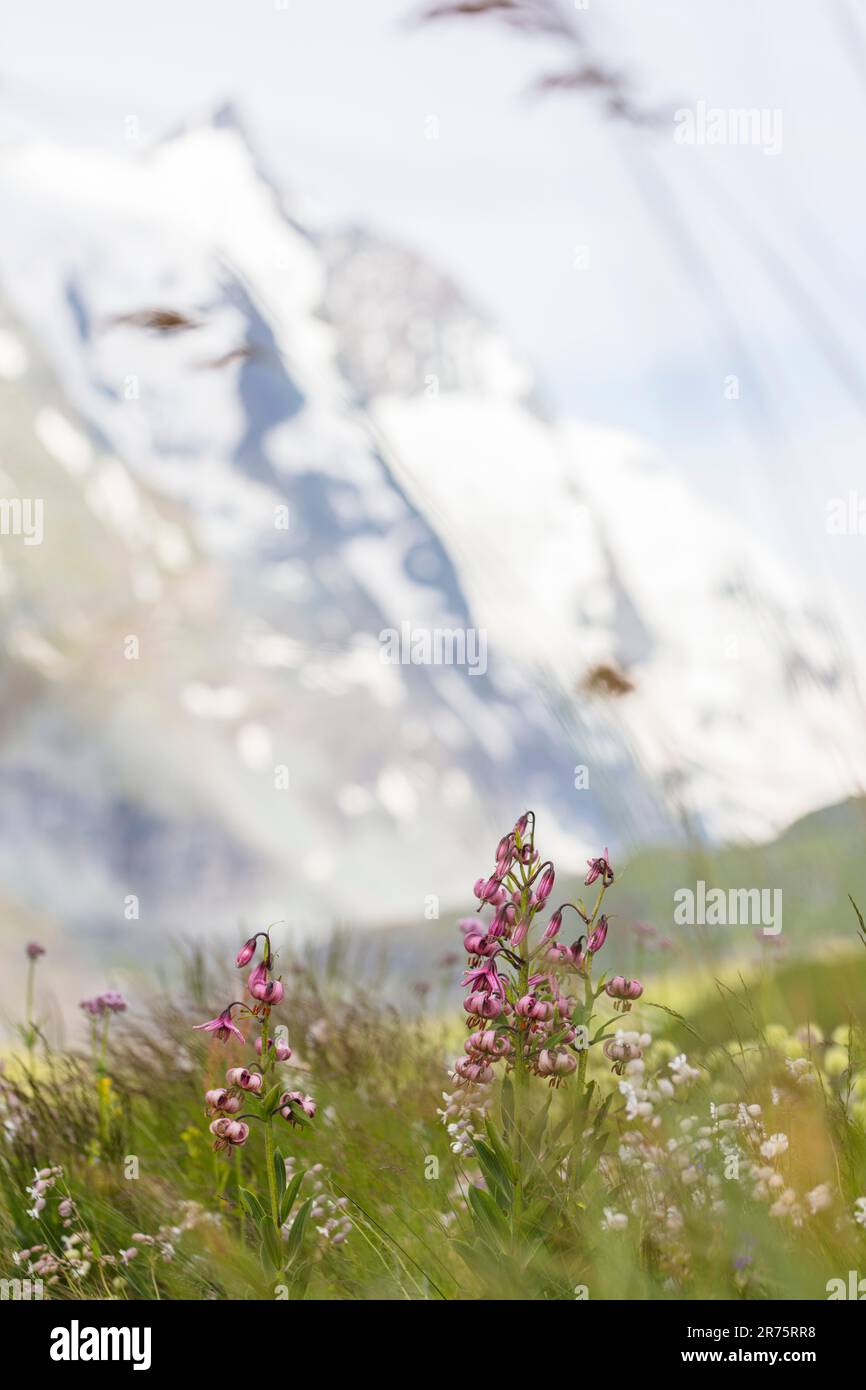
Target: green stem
x: 588, y: 1000
x: 269, y: 1131
x: 272, y: 1177
x: 521, y: 1078
x: 587, y: 1020
x: 28, y: 1008
x: 102, y: 1075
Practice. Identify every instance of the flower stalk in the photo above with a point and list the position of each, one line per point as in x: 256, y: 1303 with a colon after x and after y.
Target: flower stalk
x: 259, y: 1084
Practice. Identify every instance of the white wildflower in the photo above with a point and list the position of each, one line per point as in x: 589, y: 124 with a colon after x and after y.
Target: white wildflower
x: 614, y: 1220
x: 775, y: 1145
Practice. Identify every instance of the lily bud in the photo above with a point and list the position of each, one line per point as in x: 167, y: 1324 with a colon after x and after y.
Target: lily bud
x: 246, y: 953
x: 553, y: 926
x: 545, y: 884
x: 598, y: 937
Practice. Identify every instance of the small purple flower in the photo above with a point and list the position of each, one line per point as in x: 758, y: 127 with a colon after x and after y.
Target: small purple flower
x: 114, y: 1001
x: 34, y: 950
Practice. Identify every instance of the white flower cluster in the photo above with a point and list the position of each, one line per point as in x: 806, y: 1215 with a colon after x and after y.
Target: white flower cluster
x: 334, y: 1226
x: 464, y: 1109
x: 74, y: 1262
x: 43, y: 1181
x: 643, y: 1098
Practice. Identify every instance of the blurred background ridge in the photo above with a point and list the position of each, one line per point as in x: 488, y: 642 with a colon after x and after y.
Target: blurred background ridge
x: 184, y: 357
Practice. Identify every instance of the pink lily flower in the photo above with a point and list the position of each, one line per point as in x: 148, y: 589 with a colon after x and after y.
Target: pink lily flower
x: 222, y: 1025
x: 485, y: 978
x: 600, y: 866
x: 220, y: 1100
x: 480, y: 1004
x: 229, y: 1133
x: 289, y: 1099
x: 621, y: 988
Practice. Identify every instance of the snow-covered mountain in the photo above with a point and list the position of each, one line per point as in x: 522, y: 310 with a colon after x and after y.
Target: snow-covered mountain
x: 259, y: 444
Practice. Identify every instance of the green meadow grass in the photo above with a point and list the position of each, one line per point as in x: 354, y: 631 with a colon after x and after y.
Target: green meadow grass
x: 379, y: 1159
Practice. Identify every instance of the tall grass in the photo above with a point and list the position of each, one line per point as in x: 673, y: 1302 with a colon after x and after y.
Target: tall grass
x: 624, y: 1204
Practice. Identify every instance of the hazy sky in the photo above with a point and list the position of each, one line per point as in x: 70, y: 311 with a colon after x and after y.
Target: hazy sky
x: 682, y: 290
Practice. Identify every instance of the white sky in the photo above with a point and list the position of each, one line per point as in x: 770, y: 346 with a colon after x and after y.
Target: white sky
x: 336, y: 94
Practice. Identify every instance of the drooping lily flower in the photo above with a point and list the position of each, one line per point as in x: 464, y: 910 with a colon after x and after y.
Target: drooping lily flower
x: 480, y: 1004
x: 219, y: 1100
x: 229, y: 1133
x: 291, y: 1101
x: 621, y: 988
x: 486, y: 979
x: 600, y: 867
x: 222, y: 1025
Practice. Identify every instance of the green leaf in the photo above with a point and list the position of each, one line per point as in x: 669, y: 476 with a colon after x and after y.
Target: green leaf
x: 601, y: 1113
x: 299, y: 1118
x: 862, y: 926
x: 495, y: 1176
x: 538, y: 1127
x: 272, y: 1244
x: 487, y: 1213
x: 270, y: 1100
x: 508, y: 1105
x: 253, y: 1206
x: 288, y: 1198
x: 500, y: 1149
x: 296, y: 1234
x: 280, y: 1170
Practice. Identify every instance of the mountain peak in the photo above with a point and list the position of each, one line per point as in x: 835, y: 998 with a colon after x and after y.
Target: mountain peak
x: 224, y: 116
